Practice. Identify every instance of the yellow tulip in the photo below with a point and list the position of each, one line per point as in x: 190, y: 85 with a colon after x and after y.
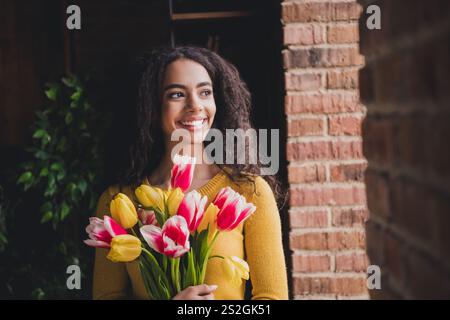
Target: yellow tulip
x: 235, y: 269
x: 209, y: 217
x: 124, y: 248
x: 174, y: 199
x: 150, y: 197
x: 123, y: 211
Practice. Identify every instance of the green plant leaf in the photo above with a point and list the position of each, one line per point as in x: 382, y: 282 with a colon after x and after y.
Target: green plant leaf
x: 56, y: 166
x: 65, y: 210
x: 61, y: 144
x: 83, y: 125
x: 82, y: 185
x: 52, y: 93
x: 47, y: 216
x: 76, y: 96
x: 47, y: 206
x: 86, y: 105
x: 61, y: 175
x: 39, y: 134
x: 68, y: 118
x: 25, y: 177
x: 70, y: 81
x: 41, y: 155
x: 44, y: 172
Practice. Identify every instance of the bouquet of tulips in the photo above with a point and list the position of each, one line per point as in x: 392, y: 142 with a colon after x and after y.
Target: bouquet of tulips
x: 172, y: 250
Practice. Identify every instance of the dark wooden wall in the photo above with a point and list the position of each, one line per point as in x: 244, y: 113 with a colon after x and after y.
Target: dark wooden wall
x: 30, y: 54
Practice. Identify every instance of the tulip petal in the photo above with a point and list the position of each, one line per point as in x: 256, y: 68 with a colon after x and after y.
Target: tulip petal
x: 96, y: 230
x: 153, y: 236
x: 228, y: 215
x: 248, y: 210
x: 124, y: 248
x: 113, y: 228
x: 123, y: 211
x: 241, y: 266
x: 174, y: 200
x: 175, y: 235
x: 182, y: 172
x: 96, y: 243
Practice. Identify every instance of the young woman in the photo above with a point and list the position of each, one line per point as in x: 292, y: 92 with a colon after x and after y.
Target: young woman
x: 195, y: 89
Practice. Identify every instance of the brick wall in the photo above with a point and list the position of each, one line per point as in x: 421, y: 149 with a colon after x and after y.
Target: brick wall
x: 405, y: 87
x: 324, y: 149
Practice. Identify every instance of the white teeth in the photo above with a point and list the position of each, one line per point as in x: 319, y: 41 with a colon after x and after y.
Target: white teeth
x: 195, y: 123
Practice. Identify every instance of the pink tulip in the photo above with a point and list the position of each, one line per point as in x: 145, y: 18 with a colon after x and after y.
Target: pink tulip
x: 182, y: 172
x: 192, y: 208
x: 172, y: 240
x: 101, y: 231
x: 147, y: 217
x: 233, y: 209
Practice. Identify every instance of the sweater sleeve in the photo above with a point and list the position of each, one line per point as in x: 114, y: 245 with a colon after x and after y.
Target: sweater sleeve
x: 110, y: 280
x: 264, y: 248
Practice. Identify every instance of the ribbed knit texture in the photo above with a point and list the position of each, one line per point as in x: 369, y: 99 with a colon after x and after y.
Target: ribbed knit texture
x: 257, y: 240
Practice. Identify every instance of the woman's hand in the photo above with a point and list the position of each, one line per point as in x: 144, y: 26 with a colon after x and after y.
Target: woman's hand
x: 200, y: 292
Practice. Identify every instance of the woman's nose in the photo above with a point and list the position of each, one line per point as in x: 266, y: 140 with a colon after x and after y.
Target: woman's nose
x: 194, y: 103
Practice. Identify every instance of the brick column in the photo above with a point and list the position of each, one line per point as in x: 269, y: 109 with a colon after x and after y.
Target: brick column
x: 405, y: 86
x: 324, y: 149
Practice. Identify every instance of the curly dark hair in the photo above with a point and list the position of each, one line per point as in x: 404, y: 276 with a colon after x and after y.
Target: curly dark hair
x: 232, y: 98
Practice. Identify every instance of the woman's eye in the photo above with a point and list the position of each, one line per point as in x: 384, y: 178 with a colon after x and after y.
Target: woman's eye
x: 175, y: 95
x: 206, y: 92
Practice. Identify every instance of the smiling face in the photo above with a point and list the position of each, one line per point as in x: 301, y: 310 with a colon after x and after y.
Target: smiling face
x: 187, y: 100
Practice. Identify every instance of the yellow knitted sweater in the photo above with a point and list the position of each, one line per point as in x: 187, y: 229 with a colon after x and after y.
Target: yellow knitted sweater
x: 257, y: 240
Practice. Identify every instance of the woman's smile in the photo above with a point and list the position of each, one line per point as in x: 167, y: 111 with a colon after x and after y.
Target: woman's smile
x: 192, y: 123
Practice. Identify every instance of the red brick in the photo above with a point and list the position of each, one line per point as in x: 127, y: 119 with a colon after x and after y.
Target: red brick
x: 318, y: 150
x: 345, y: 33
x: 426, y: 279
x: 378, y: 140
x: 328, y: 240
x: 348, y: 286
x: 346, y: 150
x: 347, y: 172
x: 305, y: 127
x: 378, y: 198
x: 342, y: 79
x: 322, y: 57
x: 320, y: 11
x: 318, y: 196
x: 306, y: 173
x: 410, y: 202
x: 346, y: 240
x: 351, y: 262
x: 344, y: 125
x: 375, y: 243
x: 303, y: 34
x: 394, y: 257
x: 440, y: 206
x: 322, y: 103
x: 309, y: 241
x: 308, y: 150
x: 303, y: 81
x: 308, y: 219
x: 311, y: 263
x: 313, y: 285
x: 349, y: 217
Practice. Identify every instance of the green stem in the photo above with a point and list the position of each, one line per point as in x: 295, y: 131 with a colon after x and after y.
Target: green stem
x: 160, y: 274
x: 174, y: 274
x: 134, y: 233
x: 205, y: 262
x: 177, y: 272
